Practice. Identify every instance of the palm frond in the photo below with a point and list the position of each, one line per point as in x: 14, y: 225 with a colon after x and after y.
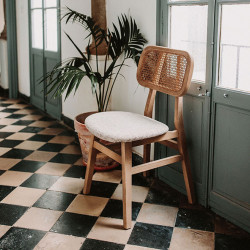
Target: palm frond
x: 123, y: 41
x: 88, y: 23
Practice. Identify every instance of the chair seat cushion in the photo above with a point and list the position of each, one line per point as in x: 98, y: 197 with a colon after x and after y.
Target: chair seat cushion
x: 118, y: 126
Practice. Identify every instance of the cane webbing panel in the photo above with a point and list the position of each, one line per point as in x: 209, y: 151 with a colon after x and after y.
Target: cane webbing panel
x: 165, y: 70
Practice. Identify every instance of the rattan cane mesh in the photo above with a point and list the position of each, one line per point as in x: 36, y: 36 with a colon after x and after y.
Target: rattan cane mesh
x: 165, y: 70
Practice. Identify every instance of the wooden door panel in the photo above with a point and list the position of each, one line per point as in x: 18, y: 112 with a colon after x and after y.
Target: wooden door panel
x: 53, y: 105
x: 37, y: 96
x: 193, y: 122
x: 231, y: 158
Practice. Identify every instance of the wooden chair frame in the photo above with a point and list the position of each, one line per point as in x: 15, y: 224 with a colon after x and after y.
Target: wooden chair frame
x: 174, y: 139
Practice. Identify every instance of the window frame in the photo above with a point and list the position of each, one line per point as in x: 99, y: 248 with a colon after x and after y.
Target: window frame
x: 217, y: 37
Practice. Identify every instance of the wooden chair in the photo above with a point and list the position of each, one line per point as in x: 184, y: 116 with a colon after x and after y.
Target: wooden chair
x: 160, y: 69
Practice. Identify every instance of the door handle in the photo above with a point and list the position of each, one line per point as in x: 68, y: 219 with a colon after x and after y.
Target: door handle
x: 208, y: 94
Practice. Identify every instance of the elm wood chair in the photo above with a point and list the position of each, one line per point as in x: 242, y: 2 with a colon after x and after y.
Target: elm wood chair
x: 160, y: 69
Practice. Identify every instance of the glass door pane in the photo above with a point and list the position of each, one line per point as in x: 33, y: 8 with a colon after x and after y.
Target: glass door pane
x: 188, y: 31
x: 36, y: 4
x: 51, y: 29
x: 37, y: 28
x: 50, y: 3
x: 234, y: 46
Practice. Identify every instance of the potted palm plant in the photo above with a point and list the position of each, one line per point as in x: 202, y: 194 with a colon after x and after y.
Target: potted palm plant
x: 122, y: 43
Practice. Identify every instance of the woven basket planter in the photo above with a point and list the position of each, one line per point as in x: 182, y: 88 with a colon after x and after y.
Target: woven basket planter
x: 103, y: 162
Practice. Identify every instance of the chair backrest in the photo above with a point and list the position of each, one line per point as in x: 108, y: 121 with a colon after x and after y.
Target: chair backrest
x: 165, y: 70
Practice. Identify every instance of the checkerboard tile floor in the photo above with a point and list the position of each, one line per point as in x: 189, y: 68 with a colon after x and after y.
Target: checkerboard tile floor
x: 42, y: 205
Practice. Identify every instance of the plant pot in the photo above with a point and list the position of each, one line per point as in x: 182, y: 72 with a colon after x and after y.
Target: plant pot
x: 103, y: 162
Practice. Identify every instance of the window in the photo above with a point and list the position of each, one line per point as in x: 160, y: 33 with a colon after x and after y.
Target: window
x: 188, y: 31
x: 234, y: 47
x: 51, y: 29
x: 44, y: 24
x: 37, y: 28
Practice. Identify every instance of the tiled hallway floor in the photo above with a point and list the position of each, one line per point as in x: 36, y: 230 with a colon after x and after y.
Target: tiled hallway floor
x: 42, y: 207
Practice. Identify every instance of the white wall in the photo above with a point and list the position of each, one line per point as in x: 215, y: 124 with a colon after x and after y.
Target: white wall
x: 128, y: 95
x: 83, y: 100
x: 23, y: 46
x: 4, y: 64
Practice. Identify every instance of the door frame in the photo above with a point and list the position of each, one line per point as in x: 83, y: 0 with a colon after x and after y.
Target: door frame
x: 12, y: 48
x: 59, y: 117
x: 162, y: 100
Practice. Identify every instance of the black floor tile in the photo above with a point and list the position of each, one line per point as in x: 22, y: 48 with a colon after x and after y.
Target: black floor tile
x: 15, y: 116
x: 37, y: 112
x: 9, y: 143
x: 162, y: 194
x: 74, y: 224
x: 5, y: 134
x: 9, y: 214
x: 22, y: 102
x: 114, y: 209
x: 228, y: 242
x: 8, y: 110
x: 76, y: 172
x: 2, y: 171
x: 102, y: 189
x: 17, y: 153
x: 68, y: 133
x: 55, y: 200
x: 21, y: 238
x: 43, y: 138
x: 47, y: 119
x: 57, y: 125
x: 2, y: 126
x: 195, y: 219
x: 139, y: 180
x: 65, y: 158
x: 136, y: 159
x: 27, y: 166
x: 23, y: 122
x: 52, y: 147
x: 40, y: 181
x: 30, y: 107
x: 5, y: 104
x: 90, y: 244
x: 31, y: 130
x: 149, y: 235
x: 5, y: 190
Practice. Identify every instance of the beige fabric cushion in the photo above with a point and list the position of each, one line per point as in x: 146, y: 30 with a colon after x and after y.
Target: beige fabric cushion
x: 118, y: 126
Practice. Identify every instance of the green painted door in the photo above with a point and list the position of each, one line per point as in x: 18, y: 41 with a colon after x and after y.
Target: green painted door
x: 45, y: 52
x: 186, y: 27
x: 229, y: 192
x: 217, y: 106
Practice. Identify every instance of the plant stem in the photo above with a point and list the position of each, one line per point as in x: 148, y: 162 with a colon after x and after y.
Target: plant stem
x: 105, y: 68
x: 114, y: 83
x: 106, y: 93
x: 98, y: 104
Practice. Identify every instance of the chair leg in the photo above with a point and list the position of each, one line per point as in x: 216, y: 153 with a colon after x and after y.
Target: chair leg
x: 127, y: 183
x: 186, y: 168
x: 146, y: 157
x: 90, y: 166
